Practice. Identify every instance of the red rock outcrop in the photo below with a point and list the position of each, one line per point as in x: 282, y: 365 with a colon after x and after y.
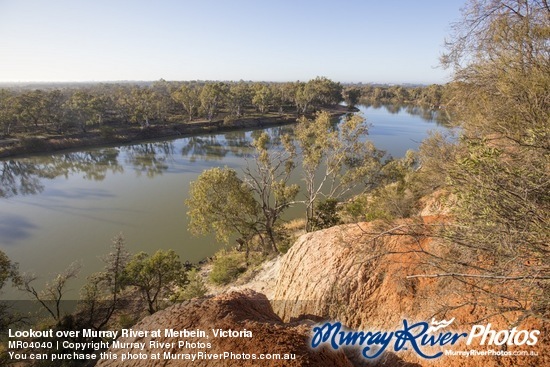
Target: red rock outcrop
x: 236, y: 311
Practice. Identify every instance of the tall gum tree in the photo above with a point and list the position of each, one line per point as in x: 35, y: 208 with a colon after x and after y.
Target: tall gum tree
x: 222, y: 202
x: 268, y: 177
x: 334, y: 160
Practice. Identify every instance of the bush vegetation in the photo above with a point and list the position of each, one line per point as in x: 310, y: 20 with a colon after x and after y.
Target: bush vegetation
x: 195, y: 287
x: 227, y: 266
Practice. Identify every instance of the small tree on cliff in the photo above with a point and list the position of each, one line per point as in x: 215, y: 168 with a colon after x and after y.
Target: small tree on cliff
x: 155, y: 276
x: 100, y: 296
x: 268, y: 178
x: 8, y: 271
x: 334, y: 160
x: 51, y: 296
x: 221, y: 202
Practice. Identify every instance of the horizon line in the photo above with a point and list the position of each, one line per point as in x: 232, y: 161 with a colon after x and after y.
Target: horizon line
x: 200, y: 80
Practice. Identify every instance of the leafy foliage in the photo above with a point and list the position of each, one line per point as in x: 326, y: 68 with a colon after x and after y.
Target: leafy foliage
x: 188, y: 97
x: 8, y: 271
x: 155, y: 276
x: 268, y: 179
x: 51, y: 295
x: 335, y: 161
x: 326, y: 214
x: 500, y: 173
x: 219, y: 201
x: 351, y: 95
x: 195, y: 288
x: 100, y: 296
x: 227, y: 266
x: 211, y: 98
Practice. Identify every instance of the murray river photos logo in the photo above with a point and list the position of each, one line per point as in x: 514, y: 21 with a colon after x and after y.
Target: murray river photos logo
x: 417, y: 337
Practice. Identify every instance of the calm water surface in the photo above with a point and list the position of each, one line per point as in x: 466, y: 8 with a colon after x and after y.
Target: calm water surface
x: 56, y: 209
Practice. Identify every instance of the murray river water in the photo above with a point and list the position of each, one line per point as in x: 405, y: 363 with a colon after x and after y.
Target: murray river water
x: 60, y: 208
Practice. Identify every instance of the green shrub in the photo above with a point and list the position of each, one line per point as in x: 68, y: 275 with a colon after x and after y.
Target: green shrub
x: 195, y: 288
x: 127, y: 320
x: 227, y: 267
x: 391, y: 201
x: 354, y: 210
x: 386, y: 203
x: 285, y: 240
x: 107, y: 132
x: 326, y: 214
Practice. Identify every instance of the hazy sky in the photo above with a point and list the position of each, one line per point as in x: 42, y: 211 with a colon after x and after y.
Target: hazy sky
x: 391, y: 41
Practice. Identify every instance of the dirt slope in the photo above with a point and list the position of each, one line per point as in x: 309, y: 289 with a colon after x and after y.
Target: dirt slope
x: 236, y: 311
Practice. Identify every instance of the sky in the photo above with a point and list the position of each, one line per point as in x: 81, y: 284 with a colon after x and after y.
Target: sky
x: 369, y: 41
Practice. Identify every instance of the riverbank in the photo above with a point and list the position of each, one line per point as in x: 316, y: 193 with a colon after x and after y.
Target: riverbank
x: 107, y: 135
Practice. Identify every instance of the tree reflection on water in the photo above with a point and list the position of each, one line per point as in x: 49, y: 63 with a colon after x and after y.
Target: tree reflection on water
x: 24, y: 176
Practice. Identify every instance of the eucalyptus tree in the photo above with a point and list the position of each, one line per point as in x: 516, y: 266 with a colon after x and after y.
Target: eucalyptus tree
x: 262, y: 98
x: 29, y: 108
x: 189, y: 98
x: 100, y: 297
x: 269, y: 179
x: 8, y: 118
x: 238, y: 98
x: 304, y: 97
x: 250, y: 207
x: 155, y: 276
x: 278, y: 97
x: 327, y: 92
x: 53, y: 109
x: 52, y: 294
x: 84, y: 109
x: 122, y: 104
x: 162, y: 100
x: 288, y: 93
x: 211, y: 98
x: 351, y: 96
x: 334, y: 161
x: 401, y: 94
x: 432, y: 95
x: 220, y: 202
x: 143, y: 105
x: 8, y: 271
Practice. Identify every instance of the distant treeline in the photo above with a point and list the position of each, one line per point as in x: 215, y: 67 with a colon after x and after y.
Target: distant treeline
x: 78, y: 108
x: 432, y: 96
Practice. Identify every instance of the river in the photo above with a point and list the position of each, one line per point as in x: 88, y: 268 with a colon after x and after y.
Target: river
x: 65, y: 207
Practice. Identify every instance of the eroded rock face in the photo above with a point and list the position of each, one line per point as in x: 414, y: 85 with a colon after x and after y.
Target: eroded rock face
x: 236, y: 311
x: 357, y: 274
x: 343, y: 272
